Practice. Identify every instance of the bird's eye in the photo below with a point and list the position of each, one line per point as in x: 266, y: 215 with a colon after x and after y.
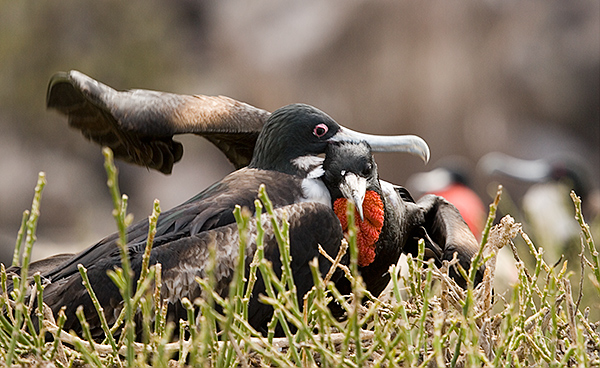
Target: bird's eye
x: 367, y: 170
x: 320, y: 130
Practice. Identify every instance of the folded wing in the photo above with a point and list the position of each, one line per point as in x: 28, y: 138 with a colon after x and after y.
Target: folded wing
x: 186, y: 258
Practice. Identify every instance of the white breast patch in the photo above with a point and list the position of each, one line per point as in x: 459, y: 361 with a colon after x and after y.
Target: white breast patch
x: 307, y: 163
x: 314, y: 190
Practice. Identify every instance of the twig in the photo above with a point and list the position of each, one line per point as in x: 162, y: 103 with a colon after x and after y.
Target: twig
x: 49, y: 318
x: 277, y: 343
x: 335, y: 263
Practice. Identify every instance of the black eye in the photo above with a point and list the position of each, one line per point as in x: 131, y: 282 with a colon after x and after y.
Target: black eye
x: 320, y: 130
x: 367, y: 170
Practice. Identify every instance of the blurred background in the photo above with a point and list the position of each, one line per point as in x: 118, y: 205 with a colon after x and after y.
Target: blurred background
x: 470, y: 77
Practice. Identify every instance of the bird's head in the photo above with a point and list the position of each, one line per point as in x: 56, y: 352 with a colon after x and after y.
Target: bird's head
x: 351, y: 175
x: 295, y: 135
x: 350, y: 171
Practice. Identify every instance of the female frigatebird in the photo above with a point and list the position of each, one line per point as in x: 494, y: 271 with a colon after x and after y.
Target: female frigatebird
x: 139, y: 126
x: 285, y: 159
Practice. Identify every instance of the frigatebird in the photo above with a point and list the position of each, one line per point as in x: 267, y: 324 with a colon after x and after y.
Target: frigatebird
x: 547, y: 211
x: 388, y: 220
x: 382, y: 225
x: 285, y: 159
x: 139, y: 126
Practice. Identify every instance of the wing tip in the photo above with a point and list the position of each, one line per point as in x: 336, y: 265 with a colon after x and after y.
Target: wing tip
x: 69, y: 89
x: 65, y: 90
x: 58, y: 86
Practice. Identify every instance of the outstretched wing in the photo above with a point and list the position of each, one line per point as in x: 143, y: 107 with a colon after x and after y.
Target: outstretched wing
x: 139, y: 125
x: 185, y: 259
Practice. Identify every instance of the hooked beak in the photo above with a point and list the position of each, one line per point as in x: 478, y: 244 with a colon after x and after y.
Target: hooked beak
x: 386, y: 143
x: 531, y: 171
x: 353, y: 188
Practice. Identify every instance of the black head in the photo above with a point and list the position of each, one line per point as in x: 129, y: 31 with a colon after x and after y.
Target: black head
x: 291, y: 132
x: 350, y: 170
x: 349, y: 158
x: 572, y: 172
x: 295, y: 134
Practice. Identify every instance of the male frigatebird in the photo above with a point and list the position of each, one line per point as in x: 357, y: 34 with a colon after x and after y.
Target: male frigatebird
x: 388, y: 220
x: 285, y: 159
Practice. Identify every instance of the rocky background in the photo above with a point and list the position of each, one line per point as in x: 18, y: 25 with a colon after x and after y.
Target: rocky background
x: 470, y: 77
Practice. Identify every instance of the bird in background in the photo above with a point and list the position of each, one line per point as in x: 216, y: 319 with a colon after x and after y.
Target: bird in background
x: 450, y: 180
x: 546, y: 204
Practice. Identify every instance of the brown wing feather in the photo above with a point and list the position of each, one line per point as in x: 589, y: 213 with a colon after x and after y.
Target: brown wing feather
x: 139, y: 125
x: 447, y: 233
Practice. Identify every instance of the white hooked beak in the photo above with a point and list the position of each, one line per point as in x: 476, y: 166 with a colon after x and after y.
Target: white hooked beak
x: 354, y: 188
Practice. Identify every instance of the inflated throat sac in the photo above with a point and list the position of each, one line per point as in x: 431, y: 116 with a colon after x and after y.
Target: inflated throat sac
x: 368, y: 230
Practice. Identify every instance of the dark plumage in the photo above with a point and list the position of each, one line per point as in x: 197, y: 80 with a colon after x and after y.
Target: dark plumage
x: 405, y: 222
x: 186, y: 257
x: 349, y: 162
x: 286, y: 161
x: 282, y: 151
x: 446, y: 234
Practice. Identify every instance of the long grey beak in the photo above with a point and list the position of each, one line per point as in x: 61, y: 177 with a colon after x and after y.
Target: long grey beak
x: 532, y: 171
x: 353, y: 188
x: 386, y: 143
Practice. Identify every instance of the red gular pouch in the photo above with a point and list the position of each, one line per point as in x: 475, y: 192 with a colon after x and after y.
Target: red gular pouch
x: 368, y: 230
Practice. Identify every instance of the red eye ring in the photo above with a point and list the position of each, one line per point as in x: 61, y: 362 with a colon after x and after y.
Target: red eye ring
x: 320, y: 130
